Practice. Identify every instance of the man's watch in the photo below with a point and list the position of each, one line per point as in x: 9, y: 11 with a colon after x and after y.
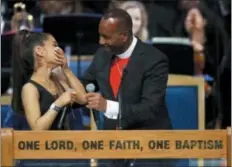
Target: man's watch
x: 54, y: 107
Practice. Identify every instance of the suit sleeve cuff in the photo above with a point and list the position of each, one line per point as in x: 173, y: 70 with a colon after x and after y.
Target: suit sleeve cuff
x: 112, y: 108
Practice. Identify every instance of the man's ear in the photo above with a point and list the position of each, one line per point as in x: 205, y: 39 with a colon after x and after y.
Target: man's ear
x: 39, y: 51
x: 124, y: 36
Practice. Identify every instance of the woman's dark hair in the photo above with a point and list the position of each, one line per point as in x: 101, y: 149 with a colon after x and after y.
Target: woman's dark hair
x: 23, y: 62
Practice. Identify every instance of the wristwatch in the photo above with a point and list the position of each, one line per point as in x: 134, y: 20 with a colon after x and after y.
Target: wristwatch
x: 54, y: 107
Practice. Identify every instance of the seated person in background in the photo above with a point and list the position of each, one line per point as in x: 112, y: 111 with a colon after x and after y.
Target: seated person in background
x: 211, y: 47
x: 194, y: 20
x: 21, y: 19
x: 138, y: 14
x: 171, y: 22
x: 52, y: 7
x: 60, y: 7
x: 115, y: 3
x: 5, y: 26
x: 195, y: 27
x: 37, y: 93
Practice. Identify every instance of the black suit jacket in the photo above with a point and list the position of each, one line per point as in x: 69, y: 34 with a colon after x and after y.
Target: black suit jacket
x: 143, y: 87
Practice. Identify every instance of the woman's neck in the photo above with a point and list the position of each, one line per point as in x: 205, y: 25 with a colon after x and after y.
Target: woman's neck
x: 43, y: 74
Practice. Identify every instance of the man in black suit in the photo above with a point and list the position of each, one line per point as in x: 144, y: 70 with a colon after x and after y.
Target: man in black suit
x: 126, y: 68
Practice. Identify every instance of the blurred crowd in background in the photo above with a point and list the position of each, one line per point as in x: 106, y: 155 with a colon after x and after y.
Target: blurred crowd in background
x: 151, y: 17
x: 207, y: 23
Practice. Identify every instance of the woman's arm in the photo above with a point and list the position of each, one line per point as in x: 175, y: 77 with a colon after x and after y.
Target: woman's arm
x: 71, y: 79
x: 30, y: 99
x: 75, y: 84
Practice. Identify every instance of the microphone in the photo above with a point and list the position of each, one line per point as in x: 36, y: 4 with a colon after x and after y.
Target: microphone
x: 61, y: 121
x: 62, y: 118
x: 120, y: 101
x: 91, y: 88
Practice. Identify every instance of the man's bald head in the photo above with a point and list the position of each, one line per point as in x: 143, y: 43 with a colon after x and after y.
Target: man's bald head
x: 115, y: 30
x: 123, y: 18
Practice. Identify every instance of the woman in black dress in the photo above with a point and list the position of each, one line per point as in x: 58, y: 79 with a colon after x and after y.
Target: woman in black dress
x: 38, y: 93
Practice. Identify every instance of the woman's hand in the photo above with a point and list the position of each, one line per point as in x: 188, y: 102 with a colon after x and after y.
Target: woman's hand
x: 195, y: 26
x: 67, y: 97
x: 60, y: 54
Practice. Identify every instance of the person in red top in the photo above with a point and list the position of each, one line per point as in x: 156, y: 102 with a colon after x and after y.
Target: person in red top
x: 135, y: 73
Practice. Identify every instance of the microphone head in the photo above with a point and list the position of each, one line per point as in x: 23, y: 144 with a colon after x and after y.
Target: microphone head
x: 90, y: 87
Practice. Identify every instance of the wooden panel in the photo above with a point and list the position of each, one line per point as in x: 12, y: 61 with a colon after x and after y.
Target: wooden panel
x: 119, y: 144
x: 82, y: 58
x: 228, y: 158
x: 184, y: 80
x: 6, y: 100
x: 7, y: 152
x: 176, y: 80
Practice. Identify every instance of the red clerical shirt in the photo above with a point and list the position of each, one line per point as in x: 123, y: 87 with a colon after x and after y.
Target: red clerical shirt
x: 116, y: 73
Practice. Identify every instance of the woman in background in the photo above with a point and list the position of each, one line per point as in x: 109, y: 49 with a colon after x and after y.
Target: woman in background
x: 139, y: 17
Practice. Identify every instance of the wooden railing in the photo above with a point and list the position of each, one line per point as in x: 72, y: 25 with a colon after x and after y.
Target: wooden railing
x: 114, y: 144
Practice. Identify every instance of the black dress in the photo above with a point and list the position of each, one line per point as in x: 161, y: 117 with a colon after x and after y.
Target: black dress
x: 45, y: 101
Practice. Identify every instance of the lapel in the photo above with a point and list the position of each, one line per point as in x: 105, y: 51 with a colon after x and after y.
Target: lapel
x: 133, y: 63
x: 104, y: 75
x: 134, y: 59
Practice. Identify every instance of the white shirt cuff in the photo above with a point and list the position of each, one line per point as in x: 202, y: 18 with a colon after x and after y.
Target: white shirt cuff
x: 112, y: 108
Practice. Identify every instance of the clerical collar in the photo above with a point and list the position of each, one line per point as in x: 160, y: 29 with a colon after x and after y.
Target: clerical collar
x: 129, y: 51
